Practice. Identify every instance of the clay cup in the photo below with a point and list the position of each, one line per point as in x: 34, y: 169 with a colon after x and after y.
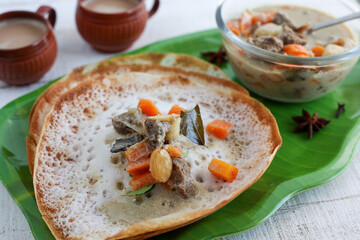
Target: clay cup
x: 25, y: 65
x: 113, y: 32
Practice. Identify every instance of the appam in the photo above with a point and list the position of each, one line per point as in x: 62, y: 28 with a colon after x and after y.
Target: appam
x: 76, y: 179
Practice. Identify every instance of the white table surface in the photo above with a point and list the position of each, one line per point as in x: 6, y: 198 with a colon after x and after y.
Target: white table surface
x: 331, y: 211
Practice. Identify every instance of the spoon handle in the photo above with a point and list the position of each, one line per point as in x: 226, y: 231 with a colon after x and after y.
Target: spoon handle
x: 334, y: 22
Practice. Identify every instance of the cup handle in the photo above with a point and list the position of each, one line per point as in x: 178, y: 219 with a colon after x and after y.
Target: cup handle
x: 48, y: 13
x: 154, y: 8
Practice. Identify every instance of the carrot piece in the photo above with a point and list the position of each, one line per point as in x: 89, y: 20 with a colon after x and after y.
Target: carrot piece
x: 138, y: 152
x: 233, y: 28
x: 263, y: 18
x: 174, y: 152
x: 246, y: 23
x: 296, y: 50
x: 318, y: 51
x: 223, y: 170
x: 138, y: 167
x: 142, y: 180
x: 219, y: 128
x: 148, y: 107
x: 175, y: 109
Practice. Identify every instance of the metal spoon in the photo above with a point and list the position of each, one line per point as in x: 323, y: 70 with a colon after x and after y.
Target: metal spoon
x: 333, y: 22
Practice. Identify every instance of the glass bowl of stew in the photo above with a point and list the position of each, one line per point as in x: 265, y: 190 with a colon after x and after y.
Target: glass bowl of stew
x: 284, y: 73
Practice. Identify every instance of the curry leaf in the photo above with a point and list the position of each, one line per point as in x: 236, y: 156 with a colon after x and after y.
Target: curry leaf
x: 192, y: 125
x: 141, y: 190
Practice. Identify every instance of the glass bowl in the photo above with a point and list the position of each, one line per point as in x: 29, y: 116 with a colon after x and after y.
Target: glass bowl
x: 287, y: 78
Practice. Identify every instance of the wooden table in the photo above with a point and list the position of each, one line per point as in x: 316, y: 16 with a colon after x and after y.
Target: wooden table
x: 330, y: 211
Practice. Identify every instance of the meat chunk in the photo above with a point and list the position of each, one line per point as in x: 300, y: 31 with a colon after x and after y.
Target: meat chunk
x: 156, y: 131
x: 281, y: 19
x: 129, y: 123
x: 123, y: 144
x: 288, y: 36
x: 299, y: 74
x: 181, y: 180
x: 271, y: 44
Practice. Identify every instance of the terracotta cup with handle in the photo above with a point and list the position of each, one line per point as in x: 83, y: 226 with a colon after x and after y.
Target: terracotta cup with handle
x: 25, y: 65
x: 113, y: 32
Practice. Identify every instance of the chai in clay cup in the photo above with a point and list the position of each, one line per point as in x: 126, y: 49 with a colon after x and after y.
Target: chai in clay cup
x: 25, y: 65
x: 113, y: 32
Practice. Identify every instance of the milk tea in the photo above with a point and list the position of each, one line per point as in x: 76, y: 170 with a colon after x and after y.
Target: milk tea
x: 110, y: 6
x: 20, y: 32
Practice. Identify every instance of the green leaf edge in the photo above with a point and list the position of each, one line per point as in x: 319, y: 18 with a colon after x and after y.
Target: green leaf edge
x: 140, y: 191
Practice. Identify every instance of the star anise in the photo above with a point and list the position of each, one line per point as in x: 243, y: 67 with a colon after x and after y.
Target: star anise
x: 340, y: 110
x: 309, y: 123
x: 218, y: 57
